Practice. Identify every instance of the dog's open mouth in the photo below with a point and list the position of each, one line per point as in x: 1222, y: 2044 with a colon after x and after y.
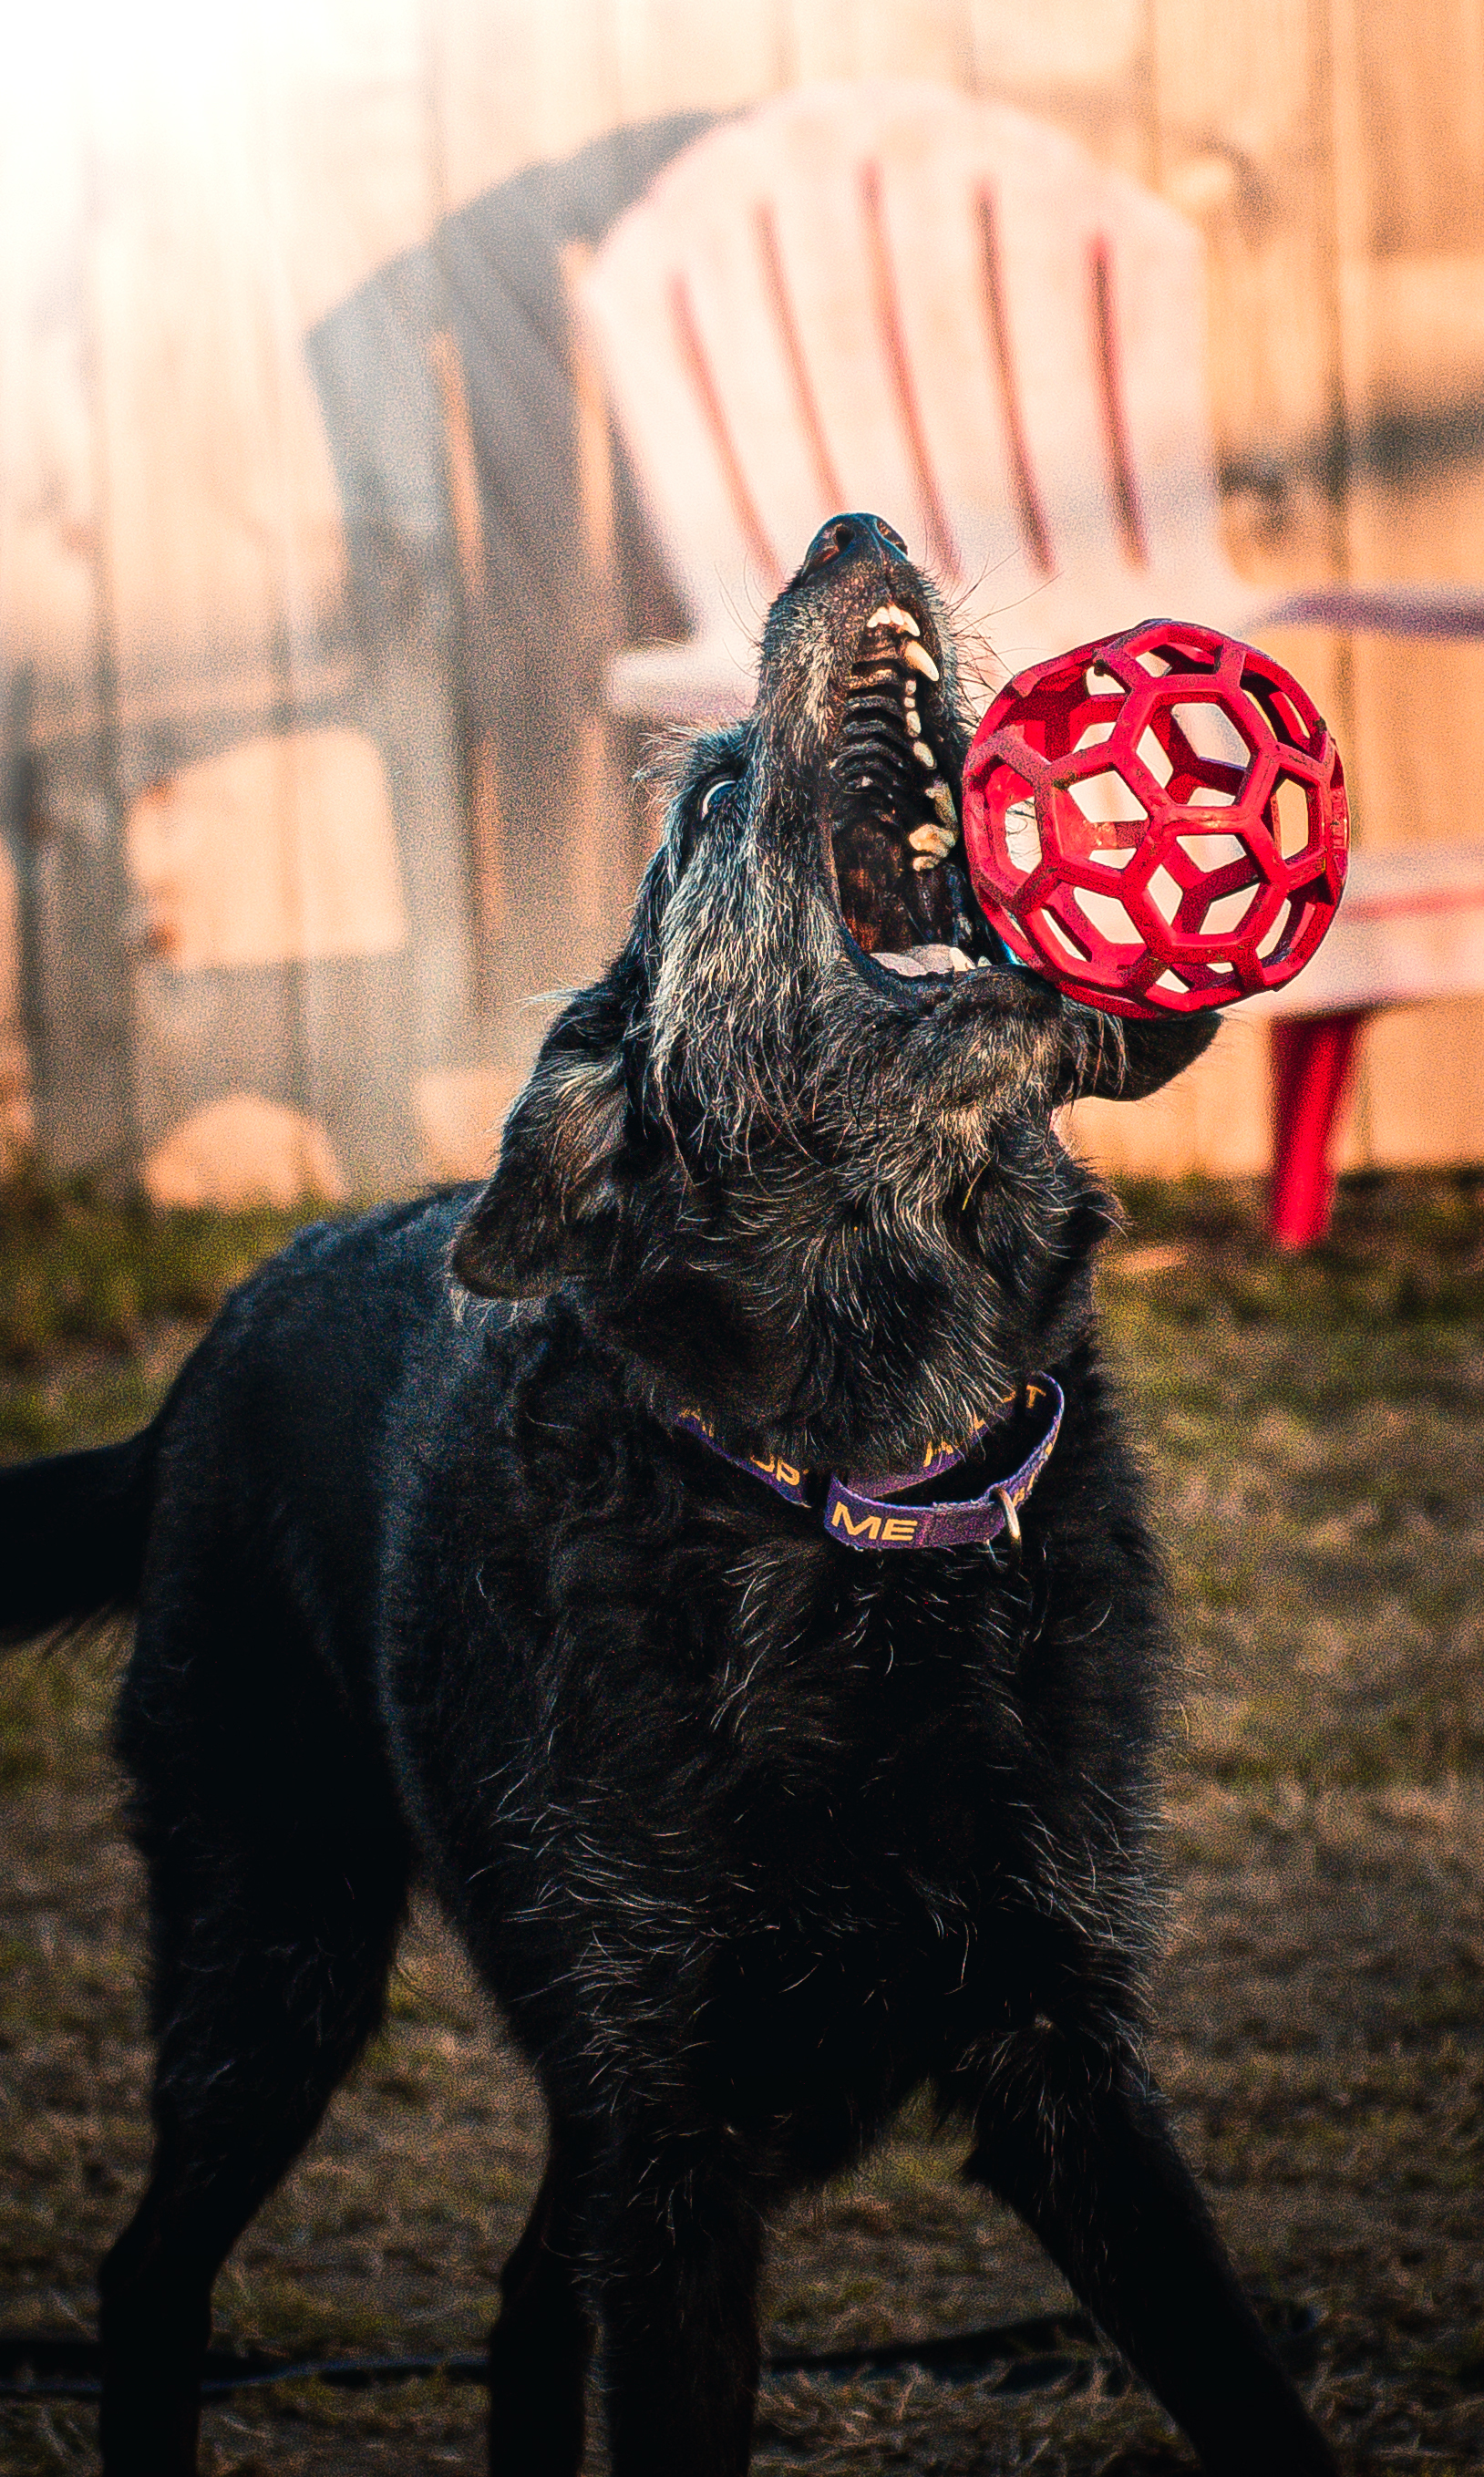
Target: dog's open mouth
x: 893, y: 826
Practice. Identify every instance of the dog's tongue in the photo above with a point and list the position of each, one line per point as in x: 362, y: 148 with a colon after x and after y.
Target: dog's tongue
x: 918, y: 962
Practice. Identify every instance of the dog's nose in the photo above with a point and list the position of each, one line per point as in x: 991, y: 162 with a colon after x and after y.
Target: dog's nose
x: 850, y: 537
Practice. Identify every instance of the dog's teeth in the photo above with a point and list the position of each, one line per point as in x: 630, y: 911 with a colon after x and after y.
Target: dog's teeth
x: 924, y: 860
x: 943, y: 801
x: 945, y: 829
x: 918, y: 658
x: 920, y: 962
x: 923, y: 753
x: 931, y: 839
x: 890, y: 616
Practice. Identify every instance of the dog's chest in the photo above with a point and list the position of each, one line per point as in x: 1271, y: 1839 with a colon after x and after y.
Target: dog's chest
x: 883, y: 1883
x: 876, y: 1735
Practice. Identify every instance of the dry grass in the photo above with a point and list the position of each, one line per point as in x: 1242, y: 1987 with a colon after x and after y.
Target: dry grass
x: 1318, y: 1443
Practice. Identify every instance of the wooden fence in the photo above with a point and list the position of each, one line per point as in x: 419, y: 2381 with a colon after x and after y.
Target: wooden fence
x: 180, y: 526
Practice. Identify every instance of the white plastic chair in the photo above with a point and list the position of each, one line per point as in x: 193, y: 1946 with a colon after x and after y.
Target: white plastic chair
x: 896, y: 297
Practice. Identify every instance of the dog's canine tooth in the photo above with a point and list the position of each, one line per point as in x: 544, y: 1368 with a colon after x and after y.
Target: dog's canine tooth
x: 942, y: 799
x: 931, y: 839
x: 918, y: 658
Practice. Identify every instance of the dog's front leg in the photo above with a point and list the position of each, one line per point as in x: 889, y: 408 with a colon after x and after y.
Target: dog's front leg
x: 1072, y: 2135
x: 538, y: 2349
x: 678, y: 2262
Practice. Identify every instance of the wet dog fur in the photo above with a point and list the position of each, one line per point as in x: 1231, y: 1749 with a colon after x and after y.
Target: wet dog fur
x: 750, y: 1834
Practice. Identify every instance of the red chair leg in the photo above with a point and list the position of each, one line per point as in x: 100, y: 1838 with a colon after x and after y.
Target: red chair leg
x: 1312, y: 1059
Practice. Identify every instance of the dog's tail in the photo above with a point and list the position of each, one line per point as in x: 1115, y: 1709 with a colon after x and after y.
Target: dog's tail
x: 72, y: 1536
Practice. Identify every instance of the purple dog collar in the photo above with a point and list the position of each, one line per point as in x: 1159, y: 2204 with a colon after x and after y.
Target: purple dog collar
x: 868, y: 1512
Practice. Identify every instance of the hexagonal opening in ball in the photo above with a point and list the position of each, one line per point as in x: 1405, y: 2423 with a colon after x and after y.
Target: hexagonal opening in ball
x: 1297, y: 823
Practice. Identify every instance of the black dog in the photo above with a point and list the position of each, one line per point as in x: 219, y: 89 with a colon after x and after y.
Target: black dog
x: 754, y: 1812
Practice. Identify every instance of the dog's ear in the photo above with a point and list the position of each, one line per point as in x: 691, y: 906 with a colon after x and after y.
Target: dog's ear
x: 540, y: 1217
x: 1122, y: 1058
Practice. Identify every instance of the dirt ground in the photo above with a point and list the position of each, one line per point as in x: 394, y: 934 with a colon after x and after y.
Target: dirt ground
x: 1316, y: 1448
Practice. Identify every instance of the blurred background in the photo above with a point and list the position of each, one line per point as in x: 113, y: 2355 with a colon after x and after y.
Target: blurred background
x: 318, y: 536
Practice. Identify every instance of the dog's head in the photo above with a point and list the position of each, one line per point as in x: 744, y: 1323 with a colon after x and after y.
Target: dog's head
x: 795, y: 1147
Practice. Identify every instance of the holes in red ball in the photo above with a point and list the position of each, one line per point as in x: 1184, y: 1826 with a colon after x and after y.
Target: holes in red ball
x: 1010, y: 803
x: 1182, y: 649
x: 1106, y: 917
x: 1293, y: 818
x: 1282, y: 715
x: 1210, y: 852
x: 1048, y: 925
x: 1165, y: 894
x: 1273, y: 937
x: 1229, y: 914
x: 1197, y: 755
x: 1152, y: 755
x: 1106, y: 800
x: 1207, y: 887
x: 1212, y: 736
x: 1022, y: 836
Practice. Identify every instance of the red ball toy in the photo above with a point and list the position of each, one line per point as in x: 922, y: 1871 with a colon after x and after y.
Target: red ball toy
x: 1157, y: 822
